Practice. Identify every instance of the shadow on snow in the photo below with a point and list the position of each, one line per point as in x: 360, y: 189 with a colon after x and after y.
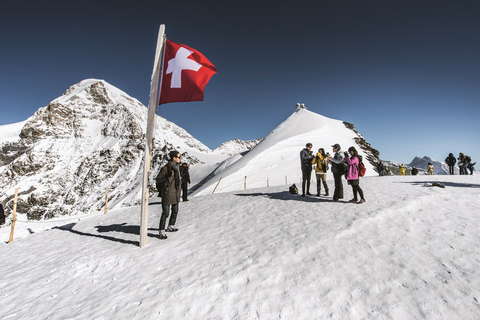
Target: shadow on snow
x: 123, y: 227
x: 285, y: 195
x: 445, y: 183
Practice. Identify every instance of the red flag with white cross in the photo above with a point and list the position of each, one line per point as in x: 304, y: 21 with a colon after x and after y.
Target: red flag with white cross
x: 186, y: 72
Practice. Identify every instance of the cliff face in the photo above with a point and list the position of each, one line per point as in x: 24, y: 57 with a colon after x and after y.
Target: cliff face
x: 235, y: 146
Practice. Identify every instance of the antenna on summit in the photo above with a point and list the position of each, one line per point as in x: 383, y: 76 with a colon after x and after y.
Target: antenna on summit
x: 300, y: 106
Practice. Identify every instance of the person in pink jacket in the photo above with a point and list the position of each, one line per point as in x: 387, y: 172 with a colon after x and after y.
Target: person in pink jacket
x: 353, y: 160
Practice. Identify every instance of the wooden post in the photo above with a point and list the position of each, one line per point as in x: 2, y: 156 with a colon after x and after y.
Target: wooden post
x: 267, y: 183
x: 154, y: 86
x: 217, y: 185
x: 286, y: 180
x: 14, y: 216
x: 106, y: 200
x: 245, y: 183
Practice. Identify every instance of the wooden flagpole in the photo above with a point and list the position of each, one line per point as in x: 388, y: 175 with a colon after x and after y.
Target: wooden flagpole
x: 154, y: 86
x: 14, y: 216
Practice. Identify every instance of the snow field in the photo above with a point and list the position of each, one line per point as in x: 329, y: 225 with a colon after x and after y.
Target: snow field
x: 409, y: 252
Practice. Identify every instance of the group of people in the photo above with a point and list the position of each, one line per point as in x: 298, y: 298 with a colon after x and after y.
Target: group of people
x: 342, y: 163
x: 463, y: 161
x: 172, y: 180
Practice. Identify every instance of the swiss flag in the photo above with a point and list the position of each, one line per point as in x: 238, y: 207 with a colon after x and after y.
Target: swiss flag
x: 186, y: 72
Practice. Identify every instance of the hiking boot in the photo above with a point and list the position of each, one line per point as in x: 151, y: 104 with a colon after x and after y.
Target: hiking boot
x: 171, y: 229
x: 353, y: 200
x: 162, y: 236
x: 361, y: 201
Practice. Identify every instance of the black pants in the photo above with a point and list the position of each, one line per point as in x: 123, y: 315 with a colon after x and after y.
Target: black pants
x: 338, y: 193
x: 306, y: 176
x: 451, y: 169
x: 184, y: 190
x: 166, y: 213
x: 357, y: 190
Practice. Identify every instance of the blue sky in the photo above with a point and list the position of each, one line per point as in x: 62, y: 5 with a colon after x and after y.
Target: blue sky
x: 406, y: 73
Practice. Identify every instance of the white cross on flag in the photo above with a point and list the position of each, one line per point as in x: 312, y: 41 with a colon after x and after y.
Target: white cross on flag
x: 186, y: 72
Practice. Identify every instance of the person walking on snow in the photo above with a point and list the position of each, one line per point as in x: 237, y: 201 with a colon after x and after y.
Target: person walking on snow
x: 306, y: 157
x: 353, y: 161
x: 338, y: 171
x: 402, y: 170
x: 168, y: 184
x: 321, y: 167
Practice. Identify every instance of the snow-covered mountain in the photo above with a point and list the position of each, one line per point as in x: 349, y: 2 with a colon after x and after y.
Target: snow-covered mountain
x: 276, y: 159
x: 235, y: 146
x: 422, y: 163
x: 91, y: 138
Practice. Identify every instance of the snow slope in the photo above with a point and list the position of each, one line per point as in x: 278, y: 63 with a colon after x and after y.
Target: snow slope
x: 276, y: 159
x: 409, y: 252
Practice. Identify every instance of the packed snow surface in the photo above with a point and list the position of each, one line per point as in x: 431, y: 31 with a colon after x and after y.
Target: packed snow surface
x: 409, y: 252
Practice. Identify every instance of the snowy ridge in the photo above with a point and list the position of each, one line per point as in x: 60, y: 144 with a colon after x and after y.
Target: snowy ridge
x: 276, y: 159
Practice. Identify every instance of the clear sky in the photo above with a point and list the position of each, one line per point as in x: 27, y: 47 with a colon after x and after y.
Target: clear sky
x: 406, y: 73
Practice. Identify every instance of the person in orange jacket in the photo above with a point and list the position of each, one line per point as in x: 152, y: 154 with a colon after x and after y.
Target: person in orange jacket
x: 321, y: 167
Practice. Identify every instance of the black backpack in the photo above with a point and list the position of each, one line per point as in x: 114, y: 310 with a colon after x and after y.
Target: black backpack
x: 293, y: 189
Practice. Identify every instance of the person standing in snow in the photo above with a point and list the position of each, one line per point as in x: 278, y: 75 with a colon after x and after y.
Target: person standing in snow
x: 381, y: 169
x: 469, y: 165
x: 353, y: 161
x: 450, y: 161
x: 306, y: 157
x: 462, y: 163
x: 402, y: 169
x: 338, y: 171
x: 430, y: 169
x: 414, y: 171
x: 321, y: 167
x: 2, y: 214
x: 185, y: 176
x: 168, y: 184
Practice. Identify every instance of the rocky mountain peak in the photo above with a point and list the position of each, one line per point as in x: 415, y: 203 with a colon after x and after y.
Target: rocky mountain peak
x: 237, y: 146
